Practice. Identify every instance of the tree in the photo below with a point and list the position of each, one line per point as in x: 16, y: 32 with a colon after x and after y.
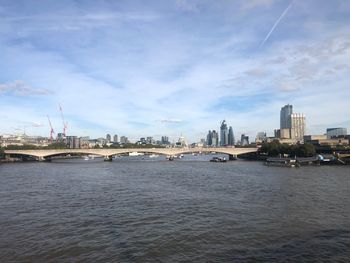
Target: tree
x: 305, y: 150
x: 275, y: 148
x: 57, y: 145
x: 284, y: 148
x: 22, y: 147
x: 271, y: 148
x: 309, y: 150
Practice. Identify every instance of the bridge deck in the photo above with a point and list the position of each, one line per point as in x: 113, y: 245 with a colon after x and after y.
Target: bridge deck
x: 111, y: 152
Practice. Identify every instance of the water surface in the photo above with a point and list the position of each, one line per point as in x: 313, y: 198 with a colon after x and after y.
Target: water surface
x: 134, y: 210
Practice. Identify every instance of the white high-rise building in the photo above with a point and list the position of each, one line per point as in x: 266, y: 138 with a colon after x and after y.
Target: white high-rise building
x: 298, y: 126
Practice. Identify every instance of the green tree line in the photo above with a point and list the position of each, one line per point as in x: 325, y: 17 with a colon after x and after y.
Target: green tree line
x: 56, y: 145
x: 276, y: 148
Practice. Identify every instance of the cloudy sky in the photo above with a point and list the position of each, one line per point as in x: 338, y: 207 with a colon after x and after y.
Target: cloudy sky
x: 152, y: 68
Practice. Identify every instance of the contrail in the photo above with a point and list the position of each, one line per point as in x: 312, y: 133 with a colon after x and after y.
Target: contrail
x: 276, y: 23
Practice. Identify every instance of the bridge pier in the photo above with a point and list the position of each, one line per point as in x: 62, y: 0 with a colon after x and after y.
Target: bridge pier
x: 108, y: 158
x: 232, y: 157
x: 43, y: 159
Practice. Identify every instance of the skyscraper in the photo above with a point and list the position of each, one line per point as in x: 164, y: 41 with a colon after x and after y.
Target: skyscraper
x: 298, y: 124
x: 223, y: 134
x: 165, y: 140
x: 209, y: 139
x: 292, y: 125
x: 286, y: 111
x: 108, y: 137
x: 244, y: 139
x: 261, y: 137
x: 214, y: 138
x: 231, y: 137
x: 124, y: 139
x: 115, y: 138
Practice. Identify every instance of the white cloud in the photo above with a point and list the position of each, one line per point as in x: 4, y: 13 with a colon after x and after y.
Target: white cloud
x: 256, y: 72
x: 187, y: 5
x: 19, y: 88
x: 251, y: 4
x: 170, y: 120
x: 287, y: 87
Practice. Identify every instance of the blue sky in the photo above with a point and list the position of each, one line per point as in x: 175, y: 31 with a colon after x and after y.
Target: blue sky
x: 153, y: 68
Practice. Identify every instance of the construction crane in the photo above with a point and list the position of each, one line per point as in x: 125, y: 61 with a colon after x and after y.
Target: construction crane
x: 65, y: 124
x: 51, y: 131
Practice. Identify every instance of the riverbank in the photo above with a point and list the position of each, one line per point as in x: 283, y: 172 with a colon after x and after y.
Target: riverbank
x: 320, y: 159
x: 32, y: 159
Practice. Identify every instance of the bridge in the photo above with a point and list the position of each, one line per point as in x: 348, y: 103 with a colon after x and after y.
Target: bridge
x: 42, y: 155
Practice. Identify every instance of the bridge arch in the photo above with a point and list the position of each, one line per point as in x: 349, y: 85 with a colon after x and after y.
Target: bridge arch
x: 112, y: 152
x: 68, y: 153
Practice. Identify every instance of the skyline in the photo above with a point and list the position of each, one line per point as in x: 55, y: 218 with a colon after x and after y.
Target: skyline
x: 172, y: 67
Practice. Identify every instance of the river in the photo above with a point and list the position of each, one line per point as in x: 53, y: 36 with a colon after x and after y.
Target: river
x: 190, y: 210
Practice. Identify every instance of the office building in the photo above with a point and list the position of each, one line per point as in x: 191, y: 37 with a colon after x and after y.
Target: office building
x: 115, y: 138
x: 244, y: 140
x: 231, y: 137
x: 209, y: 138
x: 84, y: 142
x: 292, y: 125
x: 214, y: 138
x: 261, y: 137
x: 124, y: 139
x: 285, y: 133
x: 108, y: 138
x: 325, y: 141
x: 165, y: 140
x: 150, y: 140
x: 298, y: 126
x: 73, y: 142
x: 286, y: 111
x: 223, y: 134
x: 336, y: 132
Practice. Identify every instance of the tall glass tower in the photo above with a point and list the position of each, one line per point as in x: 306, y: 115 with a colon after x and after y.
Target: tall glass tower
x: 223, y: 134
x: 285, y: 121
x: 209, y: 138
x: 231, y: 137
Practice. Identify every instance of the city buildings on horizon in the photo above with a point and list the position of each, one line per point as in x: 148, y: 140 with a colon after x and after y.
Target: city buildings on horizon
x: 292, y: 130
x: 225, y: 138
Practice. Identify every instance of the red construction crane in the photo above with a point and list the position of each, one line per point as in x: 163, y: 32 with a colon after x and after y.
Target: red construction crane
x: 65, y: 124
x: 51, y: 131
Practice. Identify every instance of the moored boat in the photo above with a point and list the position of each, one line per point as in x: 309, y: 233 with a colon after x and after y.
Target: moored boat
x: 282, y: 162
x: 218, y: 160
